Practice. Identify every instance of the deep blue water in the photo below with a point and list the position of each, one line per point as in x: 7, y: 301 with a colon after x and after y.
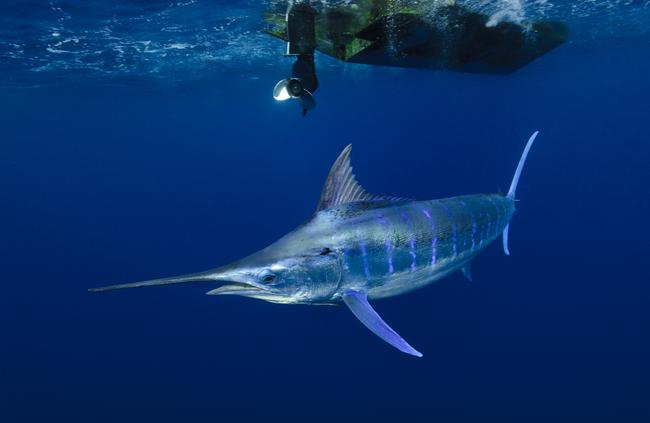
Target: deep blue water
x: 126, y: 173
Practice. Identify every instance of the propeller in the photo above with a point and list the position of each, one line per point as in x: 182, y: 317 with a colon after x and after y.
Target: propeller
x: 292, y: 88
x: 307, y: 100
x: 280, y: 92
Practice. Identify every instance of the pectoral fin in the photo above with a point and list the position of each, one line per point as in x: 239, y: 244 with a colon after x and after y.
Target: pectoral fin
x: 357, y: 301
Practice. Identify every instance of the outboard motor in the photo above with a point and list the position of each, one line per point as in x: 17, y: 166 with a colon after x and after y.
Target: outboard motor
x: 301, y: 34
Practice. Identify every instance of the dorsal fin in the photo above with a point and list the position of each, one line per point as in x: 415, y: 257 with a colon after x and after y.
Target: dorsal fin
x: 341, y: 186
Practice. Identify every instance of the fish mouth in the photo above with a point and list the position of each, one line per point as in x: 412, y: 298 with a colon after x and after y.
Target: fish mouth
x: 238, y: 288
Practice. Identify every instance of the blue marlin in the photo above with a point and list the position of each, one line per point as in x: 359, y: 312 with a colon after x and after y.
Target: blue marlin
x: 359, y: 247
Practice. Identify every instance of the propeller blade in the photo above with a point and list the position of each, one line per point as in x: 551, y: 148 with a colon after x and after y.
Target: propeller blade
x: 280, y: 91
x: 307, y: 100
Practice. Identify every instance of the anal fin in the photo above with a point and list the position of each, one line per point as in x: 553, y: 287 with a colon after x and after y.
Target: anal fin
x: 357, y: 302
x: 467, y: 271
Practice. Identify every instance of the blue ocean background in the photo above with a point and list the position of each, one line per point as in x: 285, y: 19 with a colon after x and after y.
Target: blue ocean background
x: 119, y: 164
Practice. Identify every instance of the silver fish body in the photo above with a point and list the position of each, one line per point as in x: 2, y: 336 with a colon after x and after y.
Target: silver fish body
x: 398, y: 248
x: 359, y: 247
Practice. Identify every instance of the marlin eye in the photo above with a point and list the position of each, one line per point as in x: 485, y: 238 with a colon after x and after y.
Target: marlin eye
x: 269, y: 277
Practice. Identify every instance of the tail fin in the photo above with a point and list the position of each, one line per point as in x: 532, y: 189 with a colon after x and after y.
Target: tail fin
x: 520, y: 166
x: 513, y: 185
